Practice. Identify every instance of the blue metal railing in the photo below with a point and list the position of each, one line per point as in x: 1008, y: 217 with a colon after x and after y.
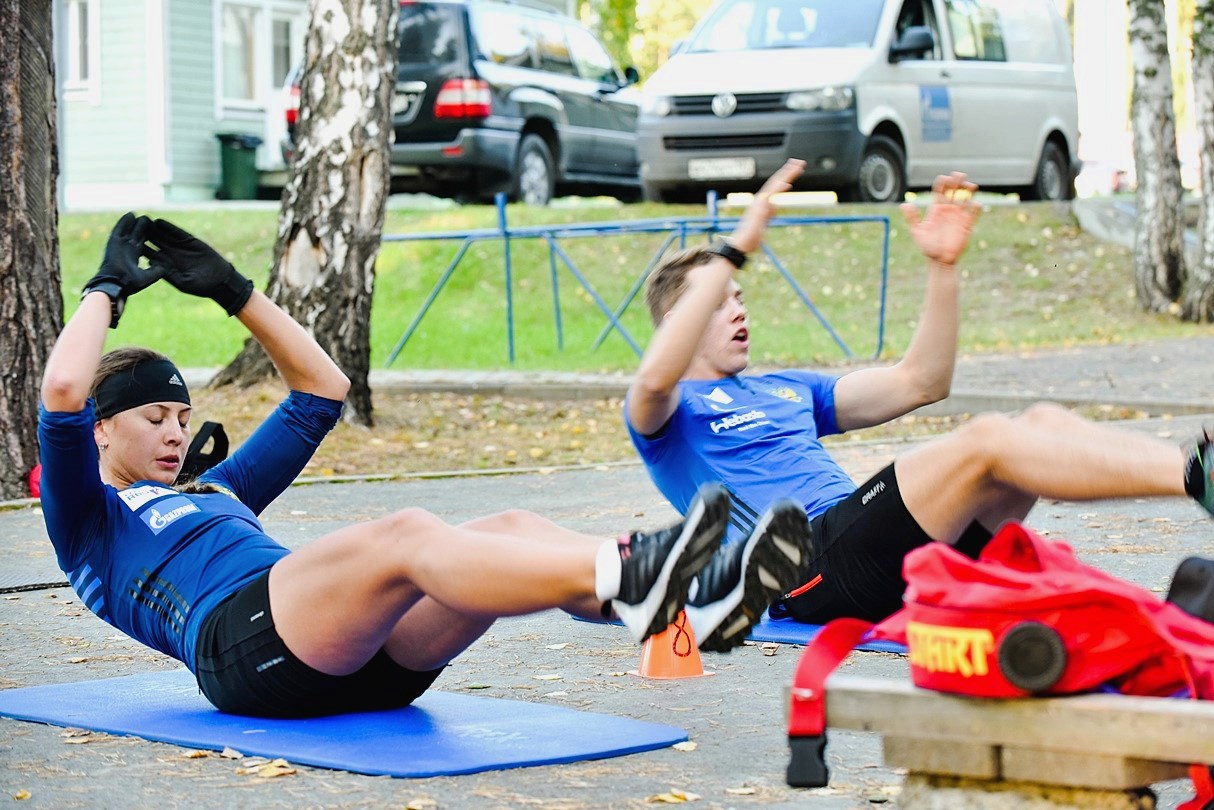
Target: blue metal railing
x: 674, y: 227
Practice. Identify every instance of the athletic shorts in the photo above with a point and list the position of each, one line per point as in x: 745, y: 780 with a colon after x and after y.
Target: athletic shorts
x: 243, y: 667
x: 860, y: 542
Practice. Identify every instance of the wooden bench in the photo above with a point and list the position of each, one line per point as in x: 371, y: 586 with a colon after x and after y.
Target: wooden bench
x: 1089, y: 751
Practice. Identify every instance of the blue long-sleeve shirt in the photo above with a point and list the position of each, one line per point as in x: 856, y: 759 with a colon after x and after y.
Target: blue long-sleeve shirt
x: 152, y: 561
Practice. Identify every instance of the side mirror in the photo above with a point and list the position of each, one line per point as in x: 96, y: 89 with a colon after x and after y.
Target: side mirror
x: 631, y: 76
x: 915, y: 41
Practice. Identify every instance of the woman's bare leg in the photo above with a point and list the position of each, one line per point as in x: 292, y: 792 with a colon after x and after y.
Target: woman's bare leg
x: 528, y: 525
x: 337, y: 600
x: 430, y: 634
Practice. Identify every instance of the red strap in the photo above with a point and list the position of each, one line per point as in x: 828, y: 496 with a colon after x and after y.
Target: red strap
x: 1203, y: 784
x: 807, y: 711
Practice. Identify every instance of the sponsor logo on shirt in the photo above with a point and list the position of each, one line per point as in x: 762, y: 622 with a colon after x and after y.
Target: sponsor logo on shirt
x: 730, y: 422
x: 135, y: 497
x: 784, y: 392
x: 163, y: 514
x: 716, y: 398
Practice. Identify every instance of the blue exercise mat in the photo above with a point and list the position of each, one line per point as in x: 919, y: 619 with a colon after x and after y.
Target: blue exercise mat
x: 441, y: 734
x: 790, y: 631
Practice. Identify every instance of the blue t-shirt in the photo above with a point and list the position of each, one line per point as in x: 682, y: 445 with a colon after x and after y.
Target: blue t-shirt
x: 152, y: 561
x: 758, y: 435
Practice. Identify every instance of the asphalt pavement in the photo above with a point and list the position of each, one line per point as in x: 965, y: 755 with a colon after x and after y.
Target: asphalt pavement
x: 735, y: 719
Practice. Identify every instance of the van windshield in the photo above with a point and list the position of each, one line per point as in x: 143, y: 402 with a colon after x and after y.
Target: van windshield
x: 429, y: 34
x: 753, y: 25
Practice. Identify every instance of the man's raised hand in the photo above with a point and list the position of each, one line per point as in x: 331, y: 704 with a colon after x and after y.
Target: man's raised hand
x: 749, y: 234
x: 944, y: 230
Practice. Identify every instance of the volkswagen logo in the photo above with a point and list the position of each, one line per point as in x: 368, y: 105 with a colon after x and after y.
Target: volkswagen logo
x: 724, y: 104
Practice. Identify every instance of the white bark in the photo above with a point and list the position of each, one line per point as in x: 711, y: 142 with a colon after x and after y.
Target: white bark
x: 1199, y: 290
x: 1159, y: 225
x: 333, y: 204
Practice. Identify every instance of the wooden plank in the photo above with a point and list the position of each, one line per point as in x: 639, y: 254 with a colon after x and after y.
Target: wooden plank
x: 1084, y: 770
x: 1160, y: 729
x: 954, y: 758
x: 931, y: 792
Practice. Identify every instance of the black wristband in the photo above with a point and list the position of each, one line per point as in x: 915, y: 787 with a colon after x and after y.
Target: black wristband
x: 117, y: 299
x: 729, y: 253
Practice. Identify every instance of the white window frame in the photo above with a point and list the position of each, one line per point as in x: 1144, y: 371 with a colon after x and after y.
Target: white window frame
x: 267, y: 11
x: 259, y: 57
x: 88, y: 88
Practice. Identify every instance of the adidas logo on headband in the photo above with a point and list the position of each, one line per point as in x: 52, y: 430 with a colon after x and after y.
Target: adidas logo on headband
x: 175, y: 380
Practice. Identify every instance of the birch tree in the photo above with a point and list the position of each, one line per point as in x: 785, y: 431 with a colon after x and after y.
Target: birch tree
x: 332, y: 214
x: 1159, y: 223
x: 1199, y: 290
x: 31, y: 306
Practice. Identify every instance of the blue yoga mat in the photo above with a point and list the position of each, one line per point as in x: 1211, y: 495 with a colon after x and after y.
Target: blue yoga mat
x: 790, y: 631
x: 441, y: 734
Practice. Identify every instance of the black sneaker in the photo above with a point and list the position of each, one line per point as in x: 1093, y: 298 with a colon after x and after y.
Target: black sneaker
x: 740, y: 581
x: 658, y: 567
x: 1203, y: 465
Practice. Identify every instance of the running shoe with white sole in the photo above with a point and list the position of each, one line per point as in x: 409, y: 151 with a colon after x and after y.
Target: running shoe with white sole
x: 657, y: 567
x: 732, y: 591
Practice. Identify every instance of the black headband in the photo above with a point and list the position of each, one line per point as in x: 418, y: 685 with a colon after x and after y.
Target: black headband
x: 148, y: 382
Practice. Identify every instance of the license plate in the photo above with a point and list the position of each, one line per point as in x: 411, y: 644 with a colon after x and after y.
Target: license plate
x: 720, y: 168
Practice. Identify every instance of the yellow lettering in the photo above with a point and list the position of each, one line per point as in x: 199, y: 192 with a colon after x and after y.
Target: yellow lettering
x: 964, y: 651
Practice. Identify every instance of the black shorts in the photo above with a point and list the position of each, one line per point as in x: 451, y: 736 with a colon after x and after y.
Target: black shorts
x: 860, y: 543
x: 243, y: 667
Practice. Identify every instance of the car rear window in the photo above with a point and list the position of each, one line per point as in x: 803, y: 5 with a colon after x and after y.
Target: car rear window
x: 430, y: 34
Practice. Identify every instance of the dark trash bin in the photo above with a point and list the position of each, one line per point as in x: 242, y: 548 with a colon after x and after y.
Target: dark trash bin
x: 239, y: 178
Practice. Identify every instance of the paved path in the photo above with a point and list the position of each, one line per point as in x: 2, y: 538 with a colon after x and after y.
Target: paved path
x: 735, y: 718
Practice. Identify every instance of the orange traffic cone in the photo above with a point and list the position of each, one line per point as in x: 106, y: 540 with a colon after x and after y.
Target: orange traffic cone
x: 672, y: 653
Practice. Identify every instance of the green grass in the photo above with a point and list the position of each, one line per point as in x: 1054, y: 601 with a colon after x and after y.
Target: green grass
x: 1031, y: 279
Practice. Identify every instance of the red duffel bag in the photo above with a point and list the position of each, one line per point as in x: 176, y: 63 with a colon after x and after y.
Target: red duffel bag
x: 1025, y: 618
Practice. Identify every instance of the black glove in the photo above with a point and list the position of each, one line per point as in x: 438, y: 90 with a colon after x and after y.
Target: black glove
x: 193, y: 266
x: 120, y: 275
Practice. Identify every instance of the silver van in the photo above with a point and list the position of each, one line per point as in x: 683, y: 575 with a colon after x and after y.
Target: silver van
x: 878, y: 96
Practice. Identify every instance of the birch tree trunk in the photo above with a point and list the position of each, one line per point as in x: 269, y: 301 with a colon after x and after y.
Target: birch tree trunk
x: 31, y: 305
x: 1199, y: 290
x: 332, y: 214
x: 1159, y: 224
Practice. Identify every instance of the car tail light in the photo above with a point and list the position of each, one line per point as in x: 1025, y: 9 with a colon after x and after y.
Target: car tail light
x: 463, y: 98
x: 293, y: 106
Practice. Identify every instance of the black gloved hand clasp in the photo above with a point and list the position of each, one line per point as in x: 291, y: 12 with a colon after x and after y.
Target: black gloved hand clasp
x: 195, y: 268
x: 120, y: 275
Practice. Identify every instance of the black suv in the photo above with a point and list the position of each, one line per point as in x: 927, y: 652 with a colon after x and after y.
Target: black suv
x: 498, y: 96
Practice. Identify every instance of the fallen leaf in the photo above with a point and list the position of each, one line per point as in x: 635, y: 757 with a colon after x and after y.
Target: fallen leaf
x: 741, y: 791
x: 268, y: 770
x: 21, y: 795
x: 231, y: 753
x: 197, y: 755
x: 421, y: 804
x: 551, y: 677
x: 687, y: 745
x: 478, y: 686
x: 674, y: 796
x: 560, y: 646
